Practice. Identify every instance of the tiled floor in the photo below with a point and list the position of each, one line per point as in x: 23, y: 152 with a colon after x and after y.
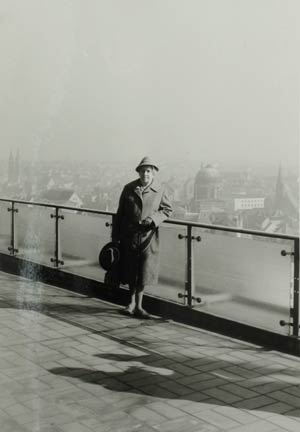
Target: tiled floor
x: 70, y: 363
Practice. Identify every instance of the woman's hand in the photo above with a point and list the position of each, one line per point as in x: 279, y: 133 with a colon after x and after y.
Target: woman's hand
x: 148, y: 223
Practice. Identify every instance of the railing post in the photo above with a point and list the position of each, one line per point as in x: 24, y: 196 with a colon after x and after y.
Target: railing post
x: 13, y: 238
x: 296, y: 289
x: 190, y: 283
x: 57, y: 252
x: 110, y: 224
x: 294, y: 312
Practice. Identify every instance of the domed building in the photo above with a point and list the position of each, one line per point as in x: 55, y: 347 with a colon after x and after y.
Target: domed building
x: 207, y: 184
x: 207, y: 190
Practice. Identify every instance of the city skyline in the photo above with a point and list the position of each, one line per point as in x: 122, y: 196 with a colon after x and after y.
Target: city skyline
x: 247, y: 198
x: 259, y: 167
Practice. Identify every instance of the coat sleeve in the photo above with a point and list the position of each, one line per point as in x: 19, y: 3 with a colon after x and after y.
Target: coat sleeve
x: 117, y: 220
x: 164, y: 211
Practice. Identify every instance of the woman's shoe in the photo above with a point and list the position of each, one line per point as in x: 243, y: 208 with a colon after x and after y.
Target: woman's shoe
x: 127, y: 311
x: 141, y: 313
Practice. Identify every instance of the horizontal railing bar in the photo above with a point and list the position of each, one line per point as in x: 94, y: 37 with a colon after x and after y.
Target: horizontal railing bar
x: 62, y: 207
x: 232, y: 229
x: 169, y: 221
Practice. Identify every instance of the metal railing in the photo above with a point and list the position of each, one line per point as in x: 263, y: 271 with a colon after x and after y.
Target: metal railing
x: 189, y: 290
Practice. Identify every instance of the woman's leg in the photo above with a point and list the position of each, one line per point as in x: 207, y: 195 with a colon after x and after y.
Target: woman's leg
x: 132, y: 303
x: 139, y: 297
x: 139, y: 302
x: 136, y: 302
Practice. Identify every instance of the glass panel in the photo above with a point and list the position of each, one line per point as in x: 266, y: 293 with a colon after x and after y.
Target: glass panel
x: 82, y: 237
x: 172, y: 268
x: 35, y: 231
x: 244, y: 278
x: 5, y: 226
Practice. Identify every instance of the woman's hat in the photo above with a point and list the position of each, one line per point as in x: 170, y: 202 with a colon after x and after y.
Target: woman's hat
x: 146, y: 161
x: 109, y: 255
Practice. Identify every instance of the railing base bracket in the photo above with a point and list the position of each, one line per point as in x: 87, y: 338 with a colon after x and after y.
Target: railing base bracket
x: 57, y: 262
x: 197, y: 299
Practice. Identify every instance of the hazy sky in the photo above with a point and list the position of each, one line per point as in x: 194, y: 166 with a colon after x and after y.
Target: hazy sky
x: 207, y: 80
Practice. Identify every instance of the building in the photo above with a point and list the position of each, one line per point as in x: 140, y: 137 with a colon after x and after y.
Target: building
x: 248, y: 203
x: 285, y: 212
x: 64, y: 197
x: 13, y: 169
x: 207, y: 192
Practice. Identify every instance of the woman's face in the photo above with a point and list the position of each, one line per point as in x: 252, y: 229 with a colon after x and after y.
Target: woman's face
x: 146, y: 174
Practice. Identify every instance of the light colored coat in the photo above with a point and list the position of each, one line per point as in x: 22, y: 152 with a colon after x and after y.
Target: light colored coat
x: 140, y: 267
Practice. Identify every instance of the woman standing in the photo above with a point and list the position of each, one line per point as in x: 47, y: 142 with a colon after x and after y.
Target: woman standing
x: 143, y: 206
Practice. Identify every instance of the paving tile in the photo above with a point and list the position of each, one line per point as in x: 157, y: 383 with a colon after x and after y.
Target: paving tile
x: 10, y: 425
x: 217, y: 419
x: 148, y: 415
x: 277, y: 407
x: 74, y: 427
x: 196, y: 407
x: 239, y: 391
x: 175, y: 388
x: 293, y: 413
x: 295, y: 391
x: 211, y: 366
x: 286, y: 378
x: 196, y: 396
x: 200, y: 386
x: 239, y: 415
x: 222, y: 395
x: 245, y: 373
x: 270, y: 387
x: 37, y: 427
x: 255, y: 364
x: 260, y: 426
x: 286, y: 423
x: 258, y: 381
x: 286, y: 397
x: 201, y: 360
x: 150, y: 380
x: 226, y: 375
x: 16, y: 410
x: 166, y: 410
x: 288, y: 361
x: 278, y: 429
x: 192, y: 379
x: 157, y: 391
x: 7, y: 401
x: 183, y: 370
x: 254, y: 403
x: 186, y: 424
x: 244, y: 356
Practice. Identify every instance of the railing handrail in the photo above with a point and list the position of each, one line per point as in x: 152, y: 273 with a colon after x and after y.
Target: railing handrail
x: 232, y: 229
x: 53, y: 205
x: 169, y: 221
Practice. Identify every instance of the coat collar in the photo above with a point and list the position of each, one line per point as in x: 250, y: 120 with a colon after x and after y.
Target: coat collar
x: 155, y: 186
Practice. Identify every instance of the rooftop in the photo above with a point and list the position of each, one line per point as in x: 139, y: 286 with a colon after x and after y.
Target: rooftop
x: 57, y: 195
x: 71, y: 362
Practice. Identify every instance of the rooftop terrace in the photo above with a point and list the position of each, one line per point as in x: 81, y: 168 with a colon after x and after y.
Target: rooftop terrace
x: 71, y: 362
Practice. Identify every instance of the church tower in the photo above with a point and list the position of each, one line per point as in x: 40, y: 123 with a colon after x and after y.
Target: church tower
x: 11, y: 168
x: 17, y: 167
x: 279, y: 203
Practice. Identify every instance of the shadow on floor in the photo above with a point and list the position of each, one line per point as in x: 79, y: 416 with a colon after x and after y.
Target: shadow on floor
x: 144, y: 375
